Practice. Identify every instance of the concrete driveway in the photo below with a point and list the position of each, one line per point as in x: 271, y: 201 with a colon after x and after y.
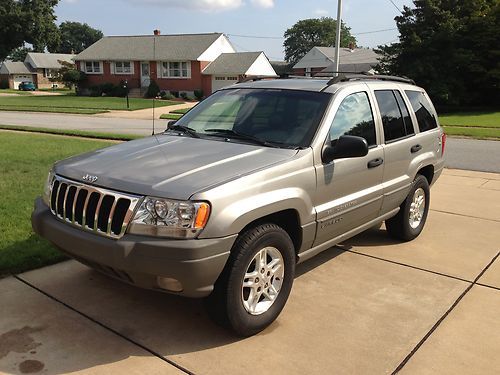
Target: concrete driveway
x: 368, y: 306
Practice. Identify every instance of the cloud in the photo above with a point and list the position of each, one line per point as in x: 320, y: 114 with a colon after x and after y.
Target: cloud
x: 203, y: 5
x: 263, y: 3
x: 321, y: 12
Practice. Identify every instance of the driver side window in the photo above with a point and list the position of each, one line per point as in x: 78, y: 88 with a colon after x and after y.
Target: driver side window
x: 354, y: 117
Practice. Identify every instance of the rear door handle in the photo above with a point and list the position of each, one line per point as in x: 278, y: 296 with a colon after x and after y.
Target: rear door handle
x: 375, y: 162
x: 415, y: 148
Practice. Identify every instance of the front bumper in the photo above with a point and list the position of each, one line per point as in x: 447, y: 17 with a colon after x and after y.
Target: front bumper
x: 139, y: 260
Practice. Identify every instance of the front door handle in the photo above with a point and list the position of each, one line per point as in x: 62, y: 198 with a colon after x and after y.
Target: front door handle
x: 375, y: 162
x: 415, y: 148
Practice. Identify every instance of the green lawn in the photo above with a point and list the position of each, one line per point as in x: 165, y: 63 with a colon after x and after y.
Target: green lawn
x: 175, y: 114
x: 75, y: 104
x: 472, y: 124
x: 74, y: 133
x: 472, y: 119
x: 24, y: 163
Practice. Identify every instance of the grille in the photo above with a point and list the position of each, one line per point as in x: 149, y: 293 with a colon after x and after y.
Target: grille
x: 90, y: 208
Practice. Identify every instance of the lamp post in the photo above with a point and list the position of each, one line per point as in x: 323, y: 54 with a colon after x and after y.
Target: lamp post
x: 337, y: 37
x: 125, y: 86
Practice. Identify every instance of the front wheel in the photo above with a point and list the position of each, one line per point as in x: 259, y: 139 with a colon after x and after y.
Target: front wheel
x: 256, y: 282
x: 410, y: 220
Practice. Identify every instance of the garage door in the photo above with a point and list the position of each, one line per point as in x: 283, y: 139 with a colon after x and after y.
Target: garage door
x: 21, y: 78
x: 219, y: 82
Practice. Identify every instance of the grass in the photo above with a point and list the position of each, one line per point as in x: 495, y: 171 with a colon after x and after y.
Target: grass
x: 472, y: 119
x: 23, y: 177
x: 72, y: 103
x: 73, y: 133
x: 79, y: 111
x: 175, y: 114
x: 473, y: 132
x: 481, y: 125
x: 170, y: 116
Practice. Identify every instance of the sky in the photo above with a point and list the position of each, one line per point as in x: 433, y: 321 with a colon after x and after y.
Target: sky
x: 251, y: 25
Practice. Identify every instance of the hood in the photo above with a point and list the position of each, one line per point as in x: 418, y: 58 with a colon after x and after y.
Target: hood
x: 170, y: 166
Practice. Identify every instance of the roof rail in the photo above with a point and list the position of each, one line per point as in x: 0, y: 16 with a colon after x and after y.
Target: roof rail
x: 256, y: 78
x: 342, y: 77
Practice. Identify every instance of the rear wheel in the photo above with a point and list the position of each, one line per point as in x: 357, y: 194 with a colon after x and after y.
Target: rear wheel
x: 256, y: 282
x: 410, y: 220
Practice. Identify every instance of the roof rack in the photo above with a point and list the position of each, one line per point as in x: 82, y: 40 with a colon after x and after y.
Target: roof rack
x: 256, y: 78
x: 342, y: 77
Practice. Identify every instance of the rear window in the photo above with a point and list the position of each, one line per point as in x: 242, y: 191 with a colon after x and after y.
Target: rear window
x: 423, y: 110
x: 395, y: 121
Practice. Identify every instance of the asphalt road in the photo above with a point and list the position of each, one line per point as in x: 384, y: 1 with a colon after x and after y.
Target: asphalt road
x: 468, y: 154
x: 473, y: 154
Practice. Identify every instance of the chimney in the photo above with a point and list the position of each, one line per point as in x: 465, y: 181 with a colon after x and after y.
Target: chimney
x: 156, y: 32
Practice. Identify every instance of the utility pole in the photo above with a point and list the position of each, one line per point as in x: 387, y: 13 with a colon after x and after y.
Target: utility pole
x: 337, y: 37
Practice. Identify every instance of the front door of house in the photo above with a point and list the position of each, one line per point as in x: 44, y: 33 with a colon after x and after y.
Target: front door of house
x: 145, y: 74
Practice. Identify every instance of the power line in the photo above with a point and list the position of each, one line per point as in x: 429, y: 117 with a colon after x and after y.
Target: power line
x: 375, y: 31
x: 395, y: 6
x: 256, y: 36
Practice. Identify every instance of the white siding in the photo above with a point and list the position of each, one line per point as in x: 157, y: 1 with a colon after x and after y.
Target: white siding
x: 221, y: 45
x: 261, y: 67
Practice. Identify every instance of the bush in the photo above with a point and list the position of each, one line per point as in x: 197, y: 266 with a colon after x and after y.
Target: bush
x: 175, y: 93
x: 165, y: 95
x: 198, y: 94
x: 107, y: 88
x: 120, y: 90
x: 95, y: 90
x: 184, y: 95
x: 153, y: 89
x: 4, y: 84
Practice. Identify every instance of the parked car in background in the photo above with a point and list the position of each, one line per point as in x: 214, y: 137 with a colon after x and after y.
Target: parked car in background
x: 27, y: 86
x: 256, y: 178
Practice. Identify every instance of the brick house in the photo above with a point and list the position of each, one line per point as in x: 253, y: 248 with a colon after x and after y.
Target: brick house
x: 37, y: 68
x: 322, y: 60
x: 175, y: 62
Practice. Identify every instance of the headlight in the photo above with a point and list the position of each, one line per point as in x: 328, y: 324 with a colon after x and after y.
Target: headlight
x: 169, y: 218
x: 48, y: 187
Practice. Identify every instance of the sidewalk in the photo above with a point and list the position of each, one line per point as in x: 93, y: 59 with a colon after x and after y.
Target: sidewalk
x: 368, y: 306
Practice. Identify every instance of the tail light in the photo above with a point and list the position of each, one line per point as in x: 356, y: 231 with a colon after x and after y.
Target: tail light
x: 443, y: 143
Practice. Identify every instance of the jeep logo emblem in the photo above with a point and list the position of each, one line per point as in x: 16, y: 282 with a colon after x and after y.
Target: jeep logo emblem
x: 90, y: 178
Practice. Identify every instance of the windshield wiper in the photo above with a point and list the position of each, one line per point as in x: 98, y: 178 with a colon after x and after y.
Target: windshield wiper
x: 246, y: 137
x: 184, y: 129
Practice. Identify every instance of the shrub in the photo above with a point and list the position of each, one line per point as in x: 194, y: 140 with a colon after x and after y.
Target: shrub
x: 175, y: 93
x: 184, y: 95
x: 107, y: 88
x: 95, y: 90
x: 4, y: 84
x: 198, y: 94
x: 153, y: 89
x: 120, y: 90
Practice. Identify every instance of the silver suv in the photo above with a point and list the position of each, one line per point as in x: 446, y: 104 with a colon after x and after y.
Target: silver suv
x: 253, y: 180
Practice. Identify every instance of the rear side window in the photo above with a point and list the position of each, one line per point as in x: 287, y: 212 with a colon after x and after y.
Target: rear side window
x: 393, y: 120
x: 354, y: 117
x: 423, y: 110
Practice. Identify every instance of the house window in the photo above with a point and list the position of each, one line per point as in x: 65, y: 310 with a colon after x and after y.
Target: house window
x: 123, y: 67
x: 175, y: 69
x: 232, y: 78
x: 49, y: 73
x: 308, y: 72
x: 92, y: 67
x: 220, y: 78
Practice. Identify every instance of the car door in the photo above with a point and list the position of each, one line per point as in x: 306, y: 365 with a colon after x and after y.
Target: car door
x: 349, y: 190
x: 399, y: 141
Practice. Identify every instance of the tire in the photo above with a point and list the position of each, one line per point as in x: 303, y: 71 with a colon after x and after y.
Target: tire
x: 231, y: 304
x: 410, y: 220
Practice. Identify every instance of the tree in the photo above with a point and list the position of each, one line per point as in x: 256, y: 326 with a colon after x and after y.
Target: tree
x: 450, y: 47
x: 76, y: 36
x: 27, y: 21
x: 19, y: 54
x: 68, y: 74
x: 306, y: 34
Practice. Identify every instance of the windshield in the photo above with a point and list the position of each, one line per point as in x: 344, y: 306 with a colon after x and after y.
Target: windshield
x: 279, y: 117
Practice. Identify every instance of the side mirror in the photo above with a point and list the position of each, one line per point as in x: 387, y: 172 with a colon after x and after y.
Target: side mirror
x: 170, y: 124
x: 347, y: 146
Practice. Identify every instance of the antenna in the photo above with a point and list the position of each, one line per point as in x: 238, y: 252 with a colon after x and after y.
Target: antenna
x: 154, y: 97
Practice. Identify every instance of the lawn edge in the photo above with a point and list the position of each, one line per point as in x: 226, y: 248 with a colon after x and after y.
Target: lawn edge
x: 71, y: 133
